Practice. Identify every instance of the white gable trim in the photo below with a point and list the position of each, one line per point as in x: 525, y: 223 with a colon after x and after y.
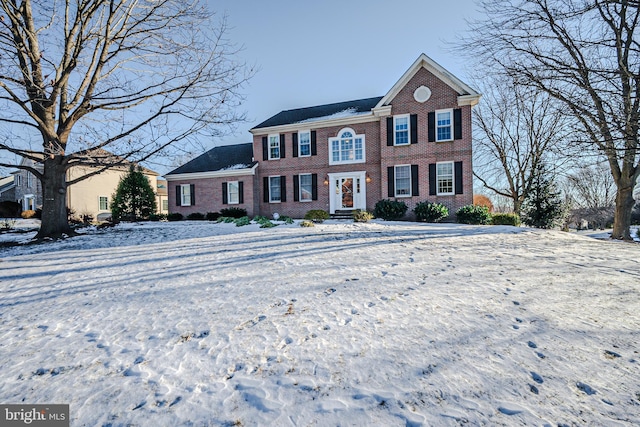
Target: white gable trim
x: 470, y: 96
x: 212, y: 174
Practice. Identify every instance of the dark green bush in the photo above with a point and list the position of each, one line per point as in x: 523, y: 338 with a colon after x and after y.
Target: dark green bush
x: 362, y: 216
x: 390, y: 209
x: 286, y: 219
x: 243, y: 220
x: 472, y: 214
x: 175, y: 216
x: 430, y: 212
x: 316, y: 215
x: 505, y: 219
x: 212, y: 216
x: 195, y: 216
x: 157, y: 217
x: 233, y: 212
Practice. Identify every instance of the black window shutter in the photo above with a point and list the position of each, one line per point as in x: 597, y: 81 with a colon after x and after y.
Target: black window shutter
x: 415, y: 187
x: 225, y: 194
x: 193, y: 194
x: 389, y: 131
x: 178, y: 196
x: 296, y: 188
x: 265, y: 148
x: 414, y: 128
x: 240, y: 192
x: 282, y: 150
x: 294, y: 145
x: 314, y: 186
x: 314, y: 147
x: 283, y: 188
x: 458, y: 176
x: 432, y: 179
x: 265, y: 184
x: 391, y: 185
x: 457, y: 123
x: 432, y: 126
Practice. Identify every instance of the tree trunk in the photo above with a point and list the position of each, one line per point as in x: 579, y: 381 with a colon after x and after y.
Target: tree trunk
x: 54, y: 200
x: 622, y: 216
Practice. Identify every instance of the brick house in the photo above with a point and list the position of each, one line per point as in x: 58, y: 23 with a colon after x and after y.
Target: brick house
x: 412, y: 144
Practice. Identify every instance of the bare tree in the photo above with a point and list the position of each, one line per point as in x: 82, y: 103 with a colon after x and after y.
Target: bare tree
x: 129, y: 76
x: 585, y: 54
x: 592, y: 193
x: 516, y: 130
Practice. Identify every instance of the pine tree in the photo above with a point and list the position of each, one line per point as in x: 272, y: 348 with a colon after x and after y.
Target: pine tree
x: 543, y: 207
x: 134, y: 198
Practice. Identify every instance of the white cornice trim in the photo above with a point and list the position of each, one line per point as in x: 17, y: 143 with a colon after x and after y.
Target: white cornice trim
x: 212, y: 174
x: 382, y: 111
x: 469, y: 100
x: 429, y: 64
x: 343, y: 121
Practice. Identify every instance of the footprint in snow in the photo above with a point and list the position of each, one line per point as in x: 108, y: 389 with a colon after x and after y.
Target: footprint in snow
x: 516, y: 303
x: 540, y: 355
x: 531, y: 344
x: 537, y: 378
x: 611, y: 355
x: 585, y: 388
x: 533, y: 389
x: 329, y: 291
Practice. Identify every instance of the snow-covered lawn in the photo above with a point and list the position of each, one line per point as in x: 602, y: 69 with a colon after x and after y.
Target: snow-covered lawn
x: 391, y: 324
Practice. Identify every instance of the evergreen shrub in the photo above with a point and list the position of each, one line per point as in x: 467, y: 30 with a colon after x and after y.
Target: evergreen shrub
x: 195, y: 216
x: 233, y: 212
x: 316, y: 215
x: 134, y: 198
x: 244, y: 220
x: 175, y: 216
x: 212, y: 216
x: 505, y: 219
x: 430, y: 212
x: 472, y: 214
x: 390, y: 210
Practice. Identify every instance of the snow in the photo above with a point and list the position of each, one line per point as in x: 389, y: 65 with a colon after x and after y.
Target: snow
x: 349, y: 112
x: 384, y: 323
x: 236, y: 166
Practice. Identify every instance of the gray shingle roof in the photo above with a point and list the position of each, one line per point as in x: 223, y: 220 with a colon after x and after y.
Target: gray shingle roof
x: 218, y: 159
x: 307, y: 114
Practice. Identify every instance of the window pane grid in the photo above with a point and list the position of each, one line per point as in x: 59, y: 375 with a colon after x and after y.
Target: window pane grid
x: 402, y: 130
x: 274, y: 147
x: 305, y: 143
x: 445, y: 178
x: 274, y: 188
x: 305, y: 187
x: 444, y: 126
x: 403, y: 180
x: 233, y: 192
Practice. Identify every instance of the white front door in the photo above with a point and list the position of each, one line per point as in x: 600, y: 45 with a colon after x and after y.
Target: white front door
x: 348, y: 191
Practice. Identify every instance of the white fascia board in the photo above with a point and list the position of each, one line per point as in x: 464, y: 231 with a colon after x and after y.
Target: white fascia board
x: 212, y: 174
x: 343, y: 121
x: 436, y: 69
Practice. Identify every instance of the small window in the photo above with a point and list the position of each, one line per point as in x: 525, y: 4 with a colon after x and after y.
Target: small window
x: 444, y: 178
x: 401, y: 130
x: 274, y: 147
x: 306, y: 188
x: 304, y: 144
x: 444, y: 125
x: 403, y: 180
x: 274, y: 189
x: 103, y: 203
x: 29, y: 180
x: 233, y: 192
x: 185, y: 191
x: 165, y: 205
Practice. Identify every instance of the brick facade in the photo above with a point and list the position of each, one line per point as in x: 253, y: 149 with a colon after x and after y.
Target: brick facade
x: 357, y: 184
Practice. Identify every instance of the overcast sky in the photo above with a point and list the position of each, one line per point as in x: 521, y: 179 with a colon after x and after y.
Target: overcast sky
x: 318, y: 52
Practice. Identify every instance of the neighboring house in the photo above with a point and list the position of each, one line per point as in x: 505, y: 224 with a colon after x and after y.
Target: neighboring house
x: 91, y: 196
x: 222, y: 177
x: 412, y: 144
x: 162, y: 200
x: 7, y: 189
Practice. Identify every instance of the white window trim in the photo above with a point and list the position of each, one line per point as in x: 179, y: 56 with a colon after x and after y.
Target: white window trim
x: 182, y: 187
x: 99, y: 199
x: 270, y: 197
x: 277, y: 137
x: 237, y: 183
x: 18, y: 180
x: 300, y: 188
x: 300, y: 144
x: 453, y: 180
x: 395, y: 180
x: 399, y: 116
x: 450, y: 111
x: 355, y: 136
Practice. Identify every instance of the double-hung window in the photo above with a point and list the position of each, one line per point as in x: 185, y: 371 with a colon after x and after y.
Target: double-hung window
x: 444, y: 125
x: 185, y: 195
x: 103, y: 203
x: 274, y: 189
x: 401, y: 130
x: 274, y: 147
x: 233, y: 192
x: 304, y: 143
x: 444, y: 178
x: 306, y: 187
x: 403, y: 180
x: 348, y: 147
